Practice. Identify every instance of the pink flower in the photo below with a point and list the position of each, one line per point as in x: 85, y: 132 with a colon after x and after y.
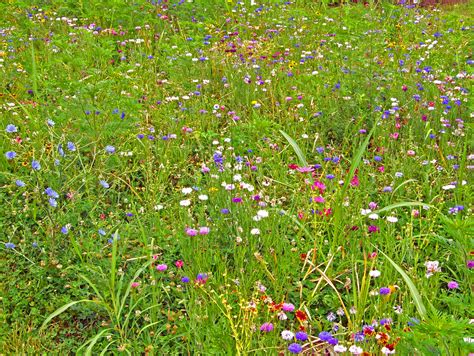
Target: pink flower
x: 453, y: 285
x: 203, y: 230
x: 191, y: 232
x: 319, y: 199
x: 266, y: 327
x: 411, y: 153
x: 355, y: 181
x: 394, y: 135
x: 288, y: 307
x: 162, y: 267
x: 305, y: 169
x: 373, y: 205
x: 135, y: 284
x: 179, y: 263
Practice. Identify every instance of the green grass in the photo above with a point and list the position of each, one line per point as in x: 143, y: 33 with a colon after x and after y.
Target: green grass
x: 285, y: 152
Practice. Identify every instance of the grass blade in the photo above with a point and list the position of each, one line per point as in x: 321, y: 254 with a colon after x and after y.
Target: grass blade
x: 62, y: 310
x: 296, y: 148
x: 420, y: 306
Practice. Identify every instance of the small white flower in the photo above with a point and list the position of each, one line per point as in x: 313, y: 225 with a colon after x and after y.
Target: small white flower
x: 448, y: 187
x: 365, y: 211
x: 398, y: 174
x: 355, y: 350
x: 159, y: 207
x: 374, y: 273
x: 203, y: 197
x: 185, y: 202
x: 387, y: 351
x: 262, y: 213
x: 373, y: 216
x: 340, y: 348
x: 237, y: 178
x: 186, y: 191
x: 287, y: 335
x: 255, y: 231
x: 391, y: 219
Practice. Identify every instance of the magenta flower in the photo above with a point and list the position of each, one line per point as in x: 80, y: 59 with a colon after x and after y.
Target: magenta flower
x: 162, y: 267
x: 266, y: 327
x: 453, y: 285
x: 191, y: 232
x: 288, y: 307
x: 204, y: 230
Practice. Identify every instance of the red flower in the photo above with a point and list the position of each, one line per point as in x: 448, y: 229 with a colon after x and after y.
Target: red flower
x: 301, y: 315
x: 292, y: 166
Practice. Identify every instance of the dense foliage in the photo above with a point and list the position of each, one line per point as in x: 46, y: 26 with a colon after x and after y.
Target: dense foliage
x: 222, y: 177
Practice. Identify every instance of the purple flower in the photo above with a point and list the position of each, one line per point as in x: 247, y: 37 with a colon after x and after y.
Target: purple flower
x: 301, y: 335
x: 110, y: 149
x: 359, y: 336
x: 185, y: 279
x: 51, y: 193
x: 9, y: 245
x: 71, y: 147
x: 162, y: 267
x: 470, y: 264
x: 384, y: 291
x: 453, y: 285
x: 35, y: 165
x: 11, y: 128
x: 10, y: 155
x: 104, y: 184
x: 295, y: 348
x: 325, y: 336
x: 53, y: 202
x: 266, y: 327
x: 19, y: 183
x: 65, y: 230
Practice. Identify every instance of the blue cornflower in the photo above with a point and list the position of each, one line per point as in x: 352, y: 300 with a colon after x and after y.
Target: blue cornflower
x: 104, y: 184
x: 225, y: 211
x: 71, y: 146
x: 301, y: 335
x: 387, y: 189
x: 53, y: 202
x: 65, y: 230
x: 330, y: 176
x: 51, y: 123
x: 11, y: 128
x: 35, y: 165
x: 320, y: 149
x: 295, y: 348
x: 10, y: 155
x: 377, y: 158
x: 359, y: 336
x: 324, y: 335
x: 109, y: 149
x: 19, y: 183
x: 51, y: 193
x: 10, y: 245
x: 185, y: 279
x: 60, y: 150
x: 335, y: 159
x: 384, y: 291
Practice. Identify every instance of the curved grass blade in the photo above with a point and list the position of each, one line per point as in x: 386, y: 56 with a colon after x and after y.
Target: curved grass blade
x: 415, y: 294
x: 296, y: 148
x: 62, y: 310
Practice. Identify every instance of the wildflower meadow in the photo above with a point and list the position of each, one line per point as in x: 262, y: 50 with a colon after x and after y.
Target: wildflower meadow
x: 222, y: 177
